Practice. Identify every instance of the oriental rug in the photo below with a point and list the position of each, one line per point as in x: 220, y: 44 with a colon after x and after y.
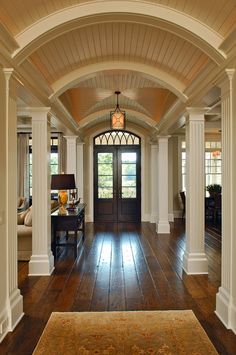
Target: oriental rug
x: 109, y: 333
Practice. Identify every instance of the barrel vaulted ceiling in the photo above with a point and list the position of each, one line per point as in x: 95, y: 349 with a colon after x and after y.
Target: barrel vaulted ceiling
x: 154, y: 52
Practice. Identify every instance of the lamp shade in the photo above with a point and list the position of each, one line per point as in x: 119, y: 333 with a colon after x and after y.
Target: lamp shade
x: 63, y: 182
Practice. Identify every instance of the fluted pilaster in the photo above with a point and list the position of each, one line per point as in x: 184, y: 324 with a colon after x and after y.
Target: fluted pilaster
x: 42, y: 260
x: 80, y: 170
x: 195, y: 261
x: 154, y: 185
x: 11, y: 301
x: 71, y: 153
x: 163, y: 225
x: 226, y: 297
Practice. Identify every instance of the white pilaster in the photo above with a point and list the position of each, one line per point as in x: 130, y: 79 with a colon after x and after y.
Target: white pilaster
x: 195, y: 260
x: 42, y: 260
x: 163, y: 225
x: 71, y: 150
x: 80, y: 170
x: 226, y: 297
x: 154, y: 179
x: 11, y: 301
x: 170, y: 181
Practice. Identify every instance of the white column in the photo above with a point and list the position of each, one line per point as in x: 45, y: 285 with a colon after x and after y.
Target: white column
x: 195, y: 261
x: 11, y: 301
x: 170, y: 182
x: 71, y: 163
x: 163, y: 225
x: 42, y: 260
x: 80, y: 170
x: 154, y: 186
x: 226, y: 297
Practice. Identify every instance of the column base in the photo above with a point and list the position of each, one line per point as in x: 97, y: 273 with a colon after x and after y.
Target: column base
x: 12, y: 314
x: 225, y: 311
x: 4, y: 324
x: 163, y: 227
x: 41, y: 265
x: 195, y: 263
x: 153, y: 218
x: 16, y: 309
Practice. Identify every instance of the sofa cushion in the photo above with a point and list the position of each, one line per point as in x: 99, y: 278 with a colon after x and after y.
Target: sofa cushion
x: 24, y: 231
x: 21, y: 217
x: 28, y: 218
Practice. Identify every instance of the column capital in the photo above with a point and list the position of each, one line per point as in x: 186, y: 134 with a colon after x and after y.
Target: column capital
x: 163, y: 139
x: 196, y: 113
x: 70, y: 138
x: 230, y: 73
x: 226, y: 83
x: 7, y: 72
x: 37, y: 112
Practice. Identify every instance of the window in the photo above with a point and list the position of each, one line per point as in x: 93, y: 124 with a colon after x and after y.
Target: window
x: 117, y: 138
x: 212, y: 163
x: 53, y: 162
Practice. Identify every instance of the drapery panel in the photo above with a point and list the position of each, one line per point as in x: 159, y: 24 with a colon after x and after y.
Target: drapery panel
x: 23, y: 165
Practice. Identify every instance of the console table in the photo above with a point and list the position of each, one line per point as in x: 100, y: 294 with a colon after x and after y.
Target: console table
x: 73, y: 221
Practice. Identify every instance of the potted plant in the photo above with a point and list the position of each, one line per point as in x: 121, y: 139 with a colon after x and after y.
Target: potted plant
x: 213, y: 189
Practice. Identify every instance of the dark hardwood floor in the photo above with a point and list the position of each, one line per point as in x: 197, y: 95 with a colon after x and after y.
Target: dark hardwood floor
x: 122, y: 267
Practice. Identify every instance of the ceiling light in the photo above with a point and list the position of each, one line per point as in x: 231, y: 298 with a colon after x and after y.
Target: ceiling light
x: 117, y: 117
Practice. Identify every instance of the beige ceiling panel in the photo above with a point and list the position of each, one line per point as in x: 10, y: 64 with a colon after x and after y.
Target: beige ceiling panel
x: 138, y: 43
x: 17, y: 15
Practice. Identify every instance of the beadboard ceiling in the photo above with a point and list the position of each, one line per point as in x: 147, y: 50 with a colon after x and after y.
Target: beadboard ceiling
x: 161, y: 50
x: 217, y: 14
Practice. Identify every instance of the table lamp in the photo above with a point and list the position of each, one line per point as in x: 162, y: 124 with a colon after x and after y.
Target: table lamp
x: 62, y: 183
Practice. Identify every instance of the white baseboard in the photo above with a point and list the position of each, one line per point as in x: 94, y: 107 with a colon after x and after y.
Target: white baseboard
x: 171, y: 217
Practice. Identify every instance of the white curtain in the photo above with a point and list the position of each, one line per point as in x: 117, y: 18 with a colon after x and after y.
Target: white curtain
x: 61, y: 154
x: 23, y: 165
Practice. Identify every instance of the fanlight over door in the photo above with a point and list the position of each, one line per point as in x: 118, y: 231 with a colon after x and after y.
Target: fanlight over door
x: 117, y: 186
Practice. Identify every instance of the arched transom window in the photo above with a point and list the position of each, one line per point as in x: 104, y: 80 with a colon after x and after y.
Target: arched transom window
x: 117, y: 138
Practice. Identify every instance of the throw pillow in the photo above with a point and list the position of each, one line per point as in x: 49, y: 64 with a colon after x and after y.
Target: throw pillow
x: 20, y: 201
x: 28, y: 218
x: 21, y: 217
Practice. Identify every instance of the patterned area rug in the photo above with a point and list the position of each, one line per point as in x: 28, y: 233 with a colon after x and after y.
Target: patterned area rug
x: 108, y: 333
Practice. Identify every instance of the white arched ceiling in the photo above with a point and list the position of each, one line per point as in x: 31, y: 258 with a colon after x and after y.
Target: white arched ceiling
x: 167, y: 18
x: 118, y: 42
x: 158, y: 76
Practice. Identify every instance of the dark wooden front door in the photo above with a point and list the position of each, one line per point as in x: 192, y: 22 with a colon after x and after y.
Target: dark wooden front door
x: 117, y: 186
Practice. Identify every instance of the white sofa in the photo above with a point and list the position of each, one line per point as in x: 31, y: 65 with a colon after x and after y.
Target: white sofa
x: 24, y: 232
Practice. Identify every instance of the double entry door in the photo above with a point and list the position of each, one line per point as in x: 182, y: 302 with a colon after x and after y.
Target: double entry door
x: 117, y: 185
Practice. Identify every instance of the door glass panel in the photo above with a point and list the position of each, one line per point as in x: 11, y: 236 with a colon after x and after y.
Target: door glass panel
x: 105, y: 175
x: 128, y: 192
x: 128, y: 169
x: 105, y: 158
x: 129, y: 179
x: 105, y: 169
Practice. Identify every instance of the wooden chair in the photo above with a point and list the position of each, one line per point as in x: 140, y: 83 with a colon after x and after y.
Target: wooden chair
x: 183, y: 200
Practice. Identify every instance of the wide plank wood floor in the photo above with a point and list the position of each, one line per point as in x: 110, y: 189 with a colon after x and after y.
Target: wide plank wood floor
x: 122, y: 267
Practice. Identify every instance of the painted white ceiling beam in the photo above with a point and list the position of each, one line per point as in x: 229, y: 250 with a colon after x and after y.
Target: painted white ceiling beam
x: 156, y: 75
